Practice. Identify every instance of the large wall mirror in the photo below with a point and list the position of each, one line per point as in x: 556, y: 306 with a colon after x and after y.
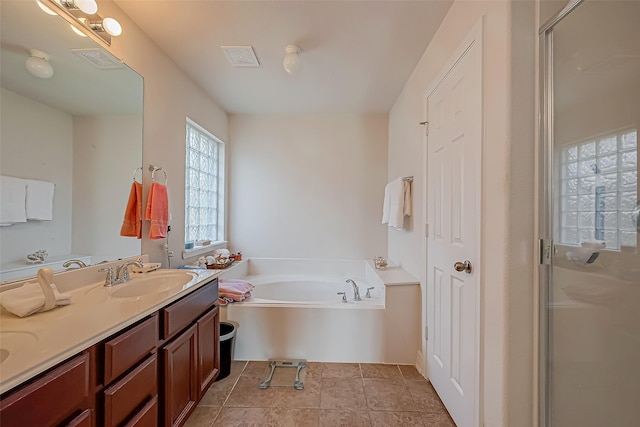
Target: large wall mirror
x: 80, y: 129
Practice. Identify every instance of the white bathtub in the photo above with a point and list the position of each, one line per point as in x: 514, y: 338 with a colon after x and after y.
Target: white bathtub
x: 296, y: 313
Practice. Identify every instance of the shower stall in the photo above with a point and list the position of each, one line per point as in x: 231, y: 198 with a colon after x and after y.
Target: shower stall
x: 589, y: 229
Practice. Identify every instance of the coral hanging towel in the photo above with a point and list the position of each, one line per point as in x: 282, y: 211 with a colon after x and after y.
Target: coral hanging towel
x: 132, y: 224
x: 158, y: 211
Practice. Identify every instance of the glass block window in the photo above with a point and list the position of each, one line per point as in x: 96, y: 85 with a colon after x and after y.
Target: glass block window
x: 599, y: 190
x: 203, y: 201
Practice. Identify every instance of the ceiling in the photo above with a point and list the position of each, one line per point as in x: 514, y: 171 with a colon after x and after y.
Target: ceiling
x: 357, y: 55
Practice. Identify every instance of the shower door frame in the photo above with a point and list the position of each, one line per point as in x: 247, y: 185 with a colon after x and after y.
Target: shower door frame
x: 546, y: 201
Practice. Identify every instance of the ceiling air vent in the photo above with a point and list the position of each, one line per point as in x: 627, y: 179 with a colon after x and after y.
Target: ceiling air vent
x: 241, y: 56
x: 99, y: 58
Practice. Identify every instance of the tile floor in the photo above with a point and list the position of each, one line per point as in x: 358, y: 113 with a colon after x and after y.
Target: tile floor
x: 335, y: 394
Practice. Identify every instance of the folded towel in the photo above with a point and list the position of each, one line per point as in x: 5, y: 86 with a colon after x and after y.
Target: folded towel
x: 12, y: 200
x: 233, y: 290
x: 29, y: 299
x: 158, y: 211
x: 39, y: 200
x: 397, y: 202
x: 132, y: 224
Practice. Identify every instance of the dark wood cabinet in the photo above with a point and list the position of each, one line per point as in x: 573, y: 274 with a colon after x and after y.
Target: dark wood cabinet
x: 180, y: 359
x: 152, y: 373
x: 208, y: 350
x: 191, y: 356
x: 127, y: 396
x: 59, y: 397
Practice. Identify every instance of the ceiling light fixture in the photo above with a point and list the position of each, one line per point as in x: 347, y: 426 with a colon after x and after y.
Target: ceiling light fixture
x: 291, y: 62
x: 38, y: 64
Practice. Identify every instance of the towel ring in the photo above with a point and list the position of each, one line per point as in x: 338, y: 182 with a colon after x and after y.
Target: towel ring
x: 135, y: 172
x: 153, y: 175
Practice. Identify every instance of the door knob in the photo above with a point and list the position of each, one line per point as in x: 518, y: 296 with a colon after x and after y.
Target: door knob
x: 463, y: 266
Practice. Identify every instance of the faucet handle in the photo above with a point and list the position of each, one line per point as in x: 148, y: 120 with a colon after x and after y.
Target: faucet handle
x: 368, y: 295
x: 108, y: 281
x: 344, y: 296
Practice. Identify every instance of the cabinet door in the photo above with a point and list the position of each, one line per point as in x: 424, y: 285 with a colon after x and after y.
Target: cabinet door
x: 180, y: 365
x: 208, y: 349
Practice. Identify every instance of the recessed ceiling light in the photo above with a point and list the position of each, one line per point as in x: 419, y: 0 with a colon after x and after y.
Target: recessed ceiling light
x: 241, y: 56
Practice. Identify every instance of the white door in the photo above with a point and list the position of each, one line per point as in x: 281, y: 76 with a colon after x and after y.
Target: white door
x: 454, y: 139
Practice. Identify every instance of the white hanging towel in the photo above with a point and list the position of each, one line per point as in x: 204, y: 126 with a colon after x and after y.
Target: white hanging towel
x: 397, y: 203
x: 12, y: 196
x: 40, y: 200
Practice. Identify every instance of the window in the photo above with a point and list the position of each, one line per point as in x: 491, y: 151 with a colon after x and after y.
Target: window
x: 599, y: 190
x: 204, y: 179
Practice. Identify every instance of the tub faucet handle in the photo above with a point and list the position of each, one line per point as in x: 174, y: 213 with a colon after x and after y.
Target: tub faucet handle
x: 368, y: 295
x: 344, y: 296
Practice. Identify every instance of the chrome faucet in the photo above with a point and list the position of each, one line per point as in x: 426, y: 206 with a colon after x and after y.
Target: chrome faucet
x: 71, y: 262
x: 356, y: 290
x: 122, y: 272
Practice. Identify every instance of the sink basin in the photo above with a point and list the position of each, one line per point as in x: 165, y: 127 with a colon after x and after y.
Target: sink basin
x: 14, y: 342
x: 152, y: 284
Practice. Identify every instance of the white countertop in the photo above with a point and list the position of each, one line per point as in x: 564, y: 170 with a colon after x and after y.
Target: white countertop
x: 42, y: 340
x: 395, y: 276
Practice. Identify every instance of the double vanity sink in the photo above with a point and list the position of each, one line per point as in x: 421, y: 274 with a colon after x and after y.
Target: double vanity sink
x: 31, y: 345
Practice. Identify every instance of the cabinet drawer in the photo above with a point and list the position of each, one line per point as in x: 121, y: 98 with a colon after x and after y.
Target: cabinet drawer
x: 82, y: 420
x: 182, y: 313
x: 148, y: 415
x: 123, y: 398
x: 128, y: 348
x: 50, y: 400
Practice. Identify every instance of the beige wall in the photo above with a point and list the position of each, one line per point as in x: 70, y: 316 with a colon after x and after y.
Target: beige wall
x: 507, y: 196
x: 308, y: 186
x: 169, y: 98
x: 25, y: 124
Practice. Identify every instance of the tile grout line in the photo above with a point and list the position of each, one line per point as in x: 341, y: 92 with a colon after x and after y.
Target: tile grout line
x: 230, y: 391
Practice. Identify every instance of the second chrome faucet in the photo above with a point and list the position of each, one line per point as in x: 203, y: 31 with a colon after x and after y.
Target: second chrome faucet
x: 121, y: 275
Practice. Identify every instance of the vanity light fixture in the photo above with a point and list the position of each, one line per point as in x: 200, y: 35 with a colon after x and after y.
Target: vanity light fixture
x: 89, y: 7
x: 85, y: 12
x: 291, y: 62
x: 38, y: 64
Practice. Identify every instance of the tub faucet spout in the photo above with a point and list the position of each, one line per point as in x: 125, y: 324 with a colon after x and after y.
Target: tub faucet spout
x: 356, y: 290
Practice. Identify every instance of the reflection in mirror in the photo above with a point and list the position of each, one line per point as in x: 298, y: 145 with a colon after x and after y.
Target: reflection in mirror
x: 80, y: 129
x: 593, y: 304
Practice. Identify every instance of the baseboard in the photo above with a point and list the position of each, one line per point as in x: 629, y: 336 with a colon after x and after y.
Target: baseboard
x: 420, y: 364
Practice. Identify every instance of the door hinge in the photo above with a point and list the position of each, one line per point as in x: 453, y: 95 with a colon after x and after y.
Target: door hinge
x: 426, y: 333
x: 426, y: 230
x: 546, y: 251
x: 426, y: 126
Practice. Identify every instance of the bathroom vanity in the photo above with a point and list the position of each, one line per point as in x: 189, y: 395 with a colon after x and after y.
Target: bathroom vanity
x: 139, y: 354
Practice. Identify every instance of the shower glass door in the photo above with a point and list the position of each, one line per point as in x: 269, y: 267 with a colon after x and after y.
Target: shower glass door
x: 591, y: 285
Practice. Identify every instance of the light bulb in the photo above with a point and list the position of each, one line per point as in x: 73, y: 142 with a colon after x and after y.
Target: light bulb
x: 38, y: 64
x: 90, y: 7
x: 45, y: 9
x: 111, y: 26
x: 77, y: 31
x: 291, y: 62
